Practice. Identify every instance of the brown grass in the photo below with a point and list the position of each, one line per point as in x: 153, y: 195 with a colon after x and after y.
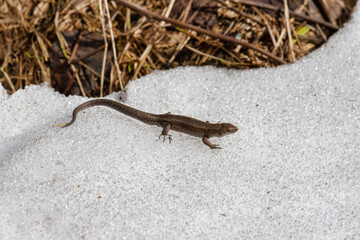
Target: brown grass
x: 72, y: 45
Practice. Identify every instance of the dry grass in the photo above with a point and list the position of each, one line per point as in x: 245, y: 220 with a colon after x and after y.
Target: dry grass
x: 72, y: 45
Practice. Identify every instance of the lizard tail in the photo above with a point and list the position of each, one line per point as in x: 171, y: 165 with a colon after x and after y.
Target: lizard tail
x: 131, y: 112
x: 76, y: 110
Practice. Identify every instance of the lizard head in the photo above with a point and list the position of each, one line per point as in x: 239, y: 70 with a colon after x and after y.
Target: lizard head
x: 227, y: 128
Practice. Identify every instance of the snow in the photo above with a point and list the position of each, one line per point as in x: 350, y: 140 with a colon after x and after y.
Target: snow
x: 291, y: 171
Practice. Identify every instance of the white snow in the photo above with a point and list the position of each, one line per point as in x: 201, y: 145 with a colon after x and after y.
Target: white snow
x: 291, y: 171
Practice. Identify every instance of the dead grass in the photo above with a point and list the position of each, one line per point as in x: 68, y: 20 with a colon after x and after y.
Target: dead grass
x: 62, y: 42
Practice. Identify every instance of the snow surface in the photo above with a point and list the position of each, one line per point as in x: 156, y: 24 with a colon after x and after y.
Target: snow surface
x: 291, y: 171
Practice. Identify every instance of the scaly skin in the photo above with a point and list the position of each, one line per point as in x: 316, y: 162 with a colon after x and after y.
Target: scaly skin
x: 168, y: 121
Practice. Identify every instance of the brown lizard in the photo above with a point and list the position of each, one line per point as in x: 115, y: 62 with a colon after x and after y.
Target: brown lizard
x: 167, y: 121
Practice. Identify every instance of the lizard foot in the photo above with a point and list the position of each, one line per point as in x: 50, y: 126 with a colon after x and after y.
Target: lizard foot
x: 215, y: 146
x: 166, y: 135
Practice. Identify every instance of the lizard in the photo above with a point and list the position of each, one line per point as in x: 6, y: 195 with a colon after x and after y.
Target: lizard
x: 168, y: 121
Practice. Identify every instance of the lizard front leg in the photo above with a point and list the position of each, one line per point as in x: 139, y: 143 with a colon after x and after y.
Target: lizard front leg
x: 207, y: 142
x: 165, y: 131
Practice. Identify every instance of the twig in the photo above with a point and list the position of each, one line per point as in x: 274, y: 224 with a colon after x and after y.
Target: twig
x: 282, y: 34
x: 296, y: 36
x: 21, y: 73
x: 63, y: 42
x: 212, y: 43
x: 76, y: 46
x: 89, y: 54
x: 196, y: 12
x: 142, y: 59
x: 287, y: 21
x: 41, y: 65
x: 185, y: 14
x: 114, y: 47
x: 39, y: 37
x: 310, y: 39
x: 81, y: 63
x: 241, y: 13
x: 72, y: 80
x: 223, y: 61
x: 183, y: 17
x: 150, y: 46
x: 266, y: 22
x: 323, y: 35
x: 199, y: 30
x: 8, y: 80
x: 292, y: 13
x: 102, y: 17
x: 326, y: 10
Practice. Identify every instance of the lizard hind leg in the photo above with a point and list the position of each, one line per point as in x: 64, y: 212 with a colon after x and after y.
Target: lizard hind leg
x: 165, y: 132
